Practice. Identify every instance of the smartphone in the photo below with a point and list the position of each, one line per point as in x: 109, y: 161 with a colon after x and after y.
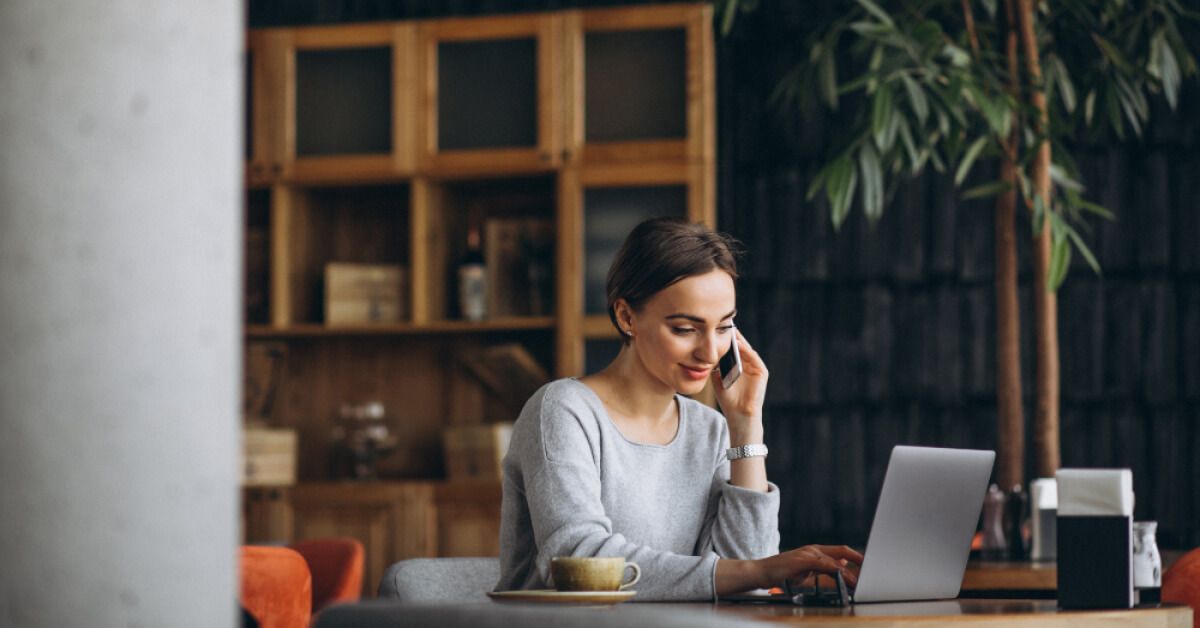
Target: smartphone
x: 731, y: 364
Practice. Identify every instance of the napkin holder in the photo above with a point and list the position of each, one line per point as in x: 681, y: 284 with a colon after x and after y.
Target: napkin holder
x: 1044, y: 519
x: 1095, y: 538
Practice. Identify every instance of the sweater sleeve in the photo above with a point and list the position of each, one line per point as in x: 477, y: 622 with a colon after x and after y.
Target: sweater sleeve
x: 568, y: 516
x: 742, y: 523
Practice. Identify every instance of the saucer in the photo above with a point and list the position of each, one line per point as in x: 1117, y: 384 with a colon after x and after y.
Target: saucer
x: 550, y: 596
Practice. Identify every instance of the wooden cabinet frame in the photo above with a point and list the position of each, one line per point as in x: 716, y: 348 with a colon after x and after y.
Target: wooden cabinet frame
x: 546, y: 156
x: 699, y: 143
x: 285, y: 43
x: 266, y: 86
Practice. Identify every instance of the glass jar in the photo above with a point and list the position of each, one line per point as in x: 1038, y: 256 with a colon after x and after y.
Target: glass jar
x: 361, y: 438
x: 1147, y: 563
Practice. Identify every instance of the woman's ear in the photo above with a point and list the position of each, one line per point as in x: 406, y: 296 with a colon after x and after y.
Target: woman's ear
x: 625, y: 316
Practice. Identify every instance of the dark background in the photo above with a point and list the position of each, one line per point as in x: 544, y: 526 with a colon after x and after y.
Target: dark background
x: 883, y: 335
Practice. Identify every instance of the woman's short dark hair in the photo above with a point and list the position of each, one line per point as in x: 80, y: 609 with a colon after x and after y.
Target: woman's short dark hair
x: 661, y: 251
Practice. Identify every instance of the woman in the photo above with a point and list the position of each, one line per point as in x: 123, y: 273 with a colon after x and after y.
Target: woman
x: 620, y: 463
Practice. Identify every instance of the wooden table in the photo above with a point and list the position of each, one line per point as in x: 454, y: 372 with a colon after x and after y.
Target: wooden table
x: 976, y: 613
x: 983, y: 576
x: 1010, y: 576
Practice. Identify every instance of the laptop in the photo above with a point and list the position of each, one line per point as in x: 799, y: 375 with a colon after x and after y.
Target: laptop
x: 921, y: 536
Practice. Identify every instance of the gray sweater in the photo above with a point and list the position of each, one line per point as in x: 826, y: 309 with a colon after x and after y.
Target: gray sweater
x: 575, y: 486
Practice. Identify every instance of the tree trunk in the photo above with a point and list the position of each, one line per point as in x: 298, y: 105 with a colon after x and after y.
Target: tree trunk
x: 1045, y: 302
x: 1010, y: 417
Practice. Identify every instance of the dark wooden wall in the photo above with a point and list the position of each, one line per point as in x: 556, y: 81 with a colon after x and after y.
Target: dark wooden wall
x: 884, y: 335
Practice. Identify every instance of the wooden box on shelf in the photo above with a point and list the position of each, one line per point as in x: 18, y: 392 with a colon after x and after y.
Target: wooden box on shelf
x: 364, y: 293
x: 268, y: 457
x: 476, y: 452
x: 518, y: 256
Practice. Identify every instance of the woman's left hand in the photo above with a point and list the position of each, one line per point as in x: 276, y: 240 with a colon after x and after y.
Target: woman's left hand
x: 742, y: 403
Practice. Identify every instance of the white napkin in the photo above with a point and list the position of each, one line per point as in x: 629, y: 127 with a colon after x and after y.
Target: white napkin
x: 1095, y: 492
x: 1045, y: 494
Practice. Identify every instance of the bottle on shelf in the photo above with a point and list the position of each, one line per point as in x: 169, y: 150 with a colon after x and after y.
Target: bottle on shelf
x: 472, y: 280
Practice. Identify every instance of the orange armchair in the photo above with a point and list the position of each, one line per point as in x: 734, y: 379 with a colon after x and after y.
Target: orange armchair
x: 276, y: 586
x: 1181, y: 583
x: 336, y: 564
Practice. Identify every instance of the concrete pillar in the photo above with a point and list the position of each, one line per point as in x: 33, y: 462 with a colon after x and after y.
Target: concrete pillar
x: 120, y: 250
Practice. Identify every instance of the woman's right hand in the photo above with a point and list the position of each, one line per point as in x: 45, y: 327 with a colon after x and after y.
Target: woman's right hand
x: 799, y: 564
x: 804, y: 562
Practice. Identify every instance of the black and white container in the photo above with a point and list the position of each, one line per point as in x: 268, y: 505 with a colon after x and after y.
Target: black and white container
x: 1095, y: 538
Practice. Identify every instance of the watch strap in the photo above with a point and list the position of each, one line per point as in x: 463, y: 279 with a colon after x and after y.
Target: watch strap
x: 745, y: 451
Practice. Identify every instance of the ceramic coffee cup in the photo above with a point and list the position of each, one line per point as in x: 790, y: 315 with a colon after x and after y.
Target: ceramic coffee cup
x: 573, y: 573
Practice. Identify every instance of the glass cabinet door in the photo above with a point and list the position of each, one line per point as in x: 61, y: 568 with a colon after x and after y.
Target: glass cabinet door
x: 598, y: 207
x: 643, y: 80
x: 491, y: 94
x: 348, y: 102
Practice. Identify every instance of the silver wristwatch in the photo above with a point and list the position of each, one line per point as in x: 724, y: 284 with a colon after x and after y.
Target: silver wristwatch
x: 746, y: 451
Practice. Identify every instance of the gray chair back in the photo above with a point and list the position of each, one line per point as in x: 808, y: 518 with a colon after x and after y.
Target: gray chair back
x: 440, y: 580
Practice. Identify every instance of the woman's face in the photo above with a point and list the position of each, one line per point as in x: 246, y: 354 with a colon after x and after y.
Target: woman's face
x: 681, y: 331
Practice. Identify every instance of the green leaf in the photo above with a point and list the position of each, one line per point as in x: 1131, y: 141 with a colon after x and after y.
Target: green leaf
x: 1083, y: 249
x: 1077, y: 201
x: 879, y: 13
x: 956, y: 56
x: 916, y: 98
x: 727, y: 16
x: 873, y: 65
x: 1063, y: 79
x: 1025, y: 187
x: 1089, y: 107
x: 1168, y: 69
x: 869, y: 30
x: 815, y: 185
x: 839, y: 188
x: 842, y: 209
x: 987, y: 189
x: 936, y: 160
x: 1060, y: 176
x: 919, y: 164
x: 1060, y: 262
x: 994, y: 110
x: 827, y: 73
x: 1039, y: 215
x: 964, y: 166
x: 881, y: 113
x: 1111, y: 53
x: 1129, y: 106
x: 872, y: 180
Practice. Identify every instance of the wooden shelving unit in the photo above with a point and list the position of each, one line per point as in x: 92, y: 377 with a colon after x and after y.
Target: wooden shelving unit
x: 402, y: 329
x: 383, y: 143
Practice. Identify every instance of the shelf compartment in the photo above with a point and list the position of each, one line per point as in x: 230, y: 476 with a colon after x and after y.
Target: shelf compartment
x: 313, y: 226
x: 515, y: 221
x: 491, y: 94
x: 642, y: 81
x: 349, y: 102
